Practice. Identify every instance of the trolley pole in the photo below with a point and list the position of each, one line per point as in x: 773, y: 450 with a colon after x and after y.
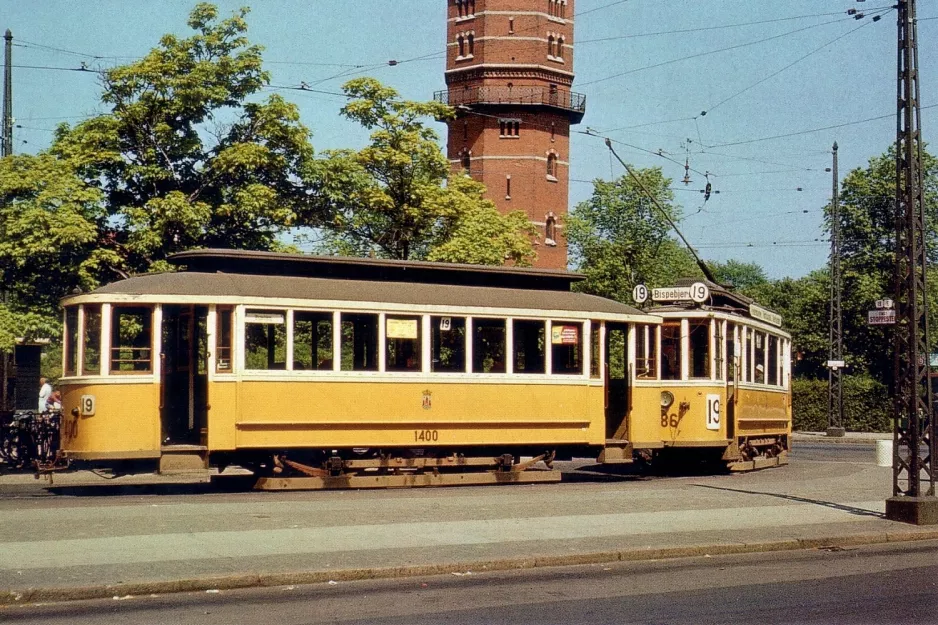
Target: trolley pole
x: 914, y: 444
x: 835, y: 364
x: 7, y: 143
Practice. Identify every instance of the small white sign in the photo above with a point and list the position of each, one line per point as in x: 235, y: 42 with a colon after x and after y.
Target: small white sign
x: 446, y: 323
x: 882, y: 317
x: 87, y: 406
x: 836, y: 364
x: 269, y: 318
x: 713, y: 412
x: 640, y: 294
x: 699, y: 292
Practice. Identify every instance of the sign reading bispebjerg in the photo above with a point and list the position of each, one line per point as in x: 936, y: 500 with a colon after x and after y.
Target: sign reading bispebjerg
x: 697, y: 292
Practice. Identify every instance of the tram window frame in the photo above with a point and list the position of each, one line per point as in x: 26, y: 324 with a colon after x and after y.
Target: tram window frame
x: 528, y: 346
x: 403, y: 353
x: 673, y: 369
x: 274, y: 334
x: 731, y: 351
x: 70, y: 357
x: 449, y: 355
x: 140, y: 352
x: 224, y: 339
x: 566, y: 358
x: 318, y: 353
x: 719, y: 350
x: 595, y: 350
x: 485, y: 343
x: 772, y: 375
x: 646, y: 351
x: 697, y: 329
x: 359, y: 354
x: 760, y: 349
x: 91, y: 340
x: 748, y: 355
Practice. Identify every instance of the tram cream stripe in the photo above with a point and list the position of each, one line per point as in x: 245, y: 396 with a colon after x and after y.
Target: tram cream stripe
x: 422, y: 535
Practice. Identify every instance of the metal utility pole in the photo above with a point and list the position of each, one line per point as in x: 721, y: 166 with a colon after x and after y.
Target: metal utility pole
x: 7, y: 143
x: 914, y: 444
x: 835, y: 364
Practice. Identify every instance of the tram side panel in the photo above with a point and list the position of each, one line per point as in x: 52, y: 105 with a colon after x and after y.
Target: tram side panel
x: 110, y: 421
x: 401, y: 413
x: 695, y: 417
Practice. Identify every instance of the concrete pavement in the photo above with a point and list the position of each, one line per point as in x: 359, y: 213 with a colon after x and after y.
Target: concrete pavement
x: 71, y: 546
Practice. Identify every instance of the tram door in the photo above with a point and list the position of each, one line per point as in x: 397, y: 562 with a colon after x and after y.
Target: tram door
x: 184, y: 383
x: 732, y: 380
x: 617, y: 380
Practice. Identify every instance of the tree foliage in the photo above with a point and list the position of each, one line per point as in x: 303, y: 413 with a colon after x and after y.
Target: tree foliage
x: 618, y: 238
x: 395, y: 197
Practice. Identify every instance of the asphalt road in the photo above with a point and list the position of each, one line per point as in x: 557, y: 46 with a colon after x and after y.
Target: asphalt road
x: 880, y: 584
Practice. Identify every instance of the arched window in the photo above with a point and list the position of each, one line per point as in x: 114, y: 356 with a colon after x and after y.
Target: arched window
x: 466, y: 162
x: 462, y: 45
x: 550, y: 45
x: 465, y: 130
x: 553, y: 131
x: 459, y: 8
x: 562, y: 6
x: 559, y: 52
x: 551, y: 8
x: 471, y: 7
x: 550, y: 230
x: 552, y: 166
x: 472, y: 44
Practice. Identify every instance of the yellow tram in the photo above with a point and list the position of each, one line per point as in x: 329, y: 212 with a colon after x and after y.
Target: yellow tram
x: 321, y: 372
x: 713, y: 380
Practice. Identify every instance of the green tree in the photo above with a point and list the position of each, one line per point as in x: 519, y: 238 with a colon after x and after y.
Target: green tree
x: 396, y: 198
x: 743, y: 277
x: 183, y: 159
x: 618, y: 238
x: 867, y: 209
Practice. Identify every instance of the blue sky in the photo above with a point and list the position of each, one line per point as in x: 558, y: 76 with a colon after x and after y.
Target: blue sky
x: 649, y: 68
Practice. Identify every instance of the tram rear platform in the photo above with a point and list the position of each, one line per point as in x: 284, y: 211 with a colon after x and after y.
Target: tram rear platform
x: 128, y: 542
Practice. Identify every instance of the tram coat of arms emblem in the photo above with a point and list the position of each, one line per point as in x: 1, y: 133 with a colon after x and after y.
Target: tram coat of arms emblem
x: 427, y: 401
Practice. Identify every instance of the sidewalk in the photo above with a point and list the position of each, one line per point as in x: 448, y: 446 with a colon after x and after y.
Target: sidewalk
x: 69, y: 547
x: 857, y: 438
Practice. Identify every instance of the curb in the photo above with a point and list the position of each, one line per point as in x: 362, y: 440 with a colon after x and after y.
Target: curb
x: 235, y: 582
x: 808, y: 438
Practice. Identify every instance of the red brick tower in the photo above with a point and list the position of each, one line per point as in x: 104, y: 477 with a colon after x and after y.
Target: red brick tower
x: 509, y: 69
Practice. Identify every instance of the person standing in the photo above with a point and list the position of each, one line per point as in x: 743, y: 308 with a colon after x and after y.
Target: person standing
x: 45, y: 392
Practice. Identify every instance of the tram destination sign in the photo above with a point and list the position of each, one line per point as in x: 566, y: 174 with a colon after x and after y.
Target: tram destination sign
x: 697, y: 292
x: 763, y: 314
x: 881, y: 317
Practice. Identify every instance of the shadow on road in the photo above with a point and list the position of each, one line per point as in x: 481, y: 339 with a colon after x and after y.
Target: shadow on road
x: 827, y: 504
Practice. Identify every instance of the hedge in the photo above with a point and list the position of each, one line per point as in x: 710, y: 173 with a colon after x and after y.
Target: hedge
x: 867, y: 405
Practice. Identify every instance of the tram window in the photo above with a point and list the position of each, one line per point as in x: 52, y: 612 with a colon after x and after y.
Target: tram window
x: 448, y: 344
x: 760, y: 358
x: 671, y: 351
x: 773, y: 361
x: 595, y: 349
x: 646, y: 358
x: 312, y: 341
x: 265, y: 340
x: 71, y: 340
x: 616, y: 353
x: 566, y: 348
x: 699, y: 349
x: 718, y: 348
x: 488, y: 346
x: 91, y: 364
x: 223, y: 333
x: 731, y: 352
x: 747, y: 355
x: 403, y: 343
x: 131, y: 340
x: 528, y: 346
x: 359, y: 342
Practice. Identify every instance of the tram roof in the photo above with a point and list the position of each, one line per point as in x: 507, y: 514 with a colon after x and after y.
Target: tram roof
x: 192, y: 286
x: 354, y: 268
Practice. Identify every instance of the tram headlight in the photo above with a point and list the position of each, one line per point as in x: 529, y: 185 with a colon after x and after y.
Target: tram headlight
x: 667, y: 398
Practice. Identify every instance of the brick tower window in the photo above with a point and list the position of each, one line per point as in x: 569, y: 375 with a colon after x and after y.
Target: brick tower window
x: 559, y: 52
x: 466, y: 162
x: 550, y: 46
x: 509, y: 128
x: 550, y: 230
x: 472, y: 44
x: 552, y: 167
x: 462, y: 45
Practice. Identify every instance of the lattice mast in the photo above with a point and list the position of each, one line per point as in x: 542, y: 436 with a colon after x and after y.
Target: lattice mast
x: 6, y: 144
x: 835, y: 395
x: 913, y: 440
